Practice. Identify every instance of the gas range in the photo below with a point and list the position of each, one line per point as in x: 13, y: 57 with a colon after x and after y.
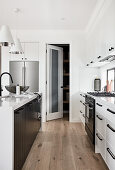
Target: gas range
x: 102, y: 94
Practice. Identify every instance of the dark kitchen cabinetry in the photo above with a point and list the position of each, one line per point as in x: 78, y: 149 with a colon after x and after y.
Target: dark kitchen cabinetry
x: 26, y: 126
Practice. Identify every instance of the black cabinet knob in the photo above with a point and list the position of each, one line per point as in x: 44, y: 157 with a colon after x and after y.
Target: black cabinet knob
x: 91, y: 62
x: 112, y: 48
x: 99, y: 57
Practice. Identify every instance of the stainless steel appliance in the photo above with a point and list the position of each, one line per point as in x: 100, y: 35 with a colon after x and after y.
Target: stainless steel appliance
x: 102, y: 94
x: 90, y: 117
x: 97, y: 84
x: 25, y: 73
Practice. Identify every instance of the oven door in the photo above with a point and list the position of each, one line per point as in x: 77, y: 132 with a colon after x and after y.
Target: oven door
x: 89, y: 117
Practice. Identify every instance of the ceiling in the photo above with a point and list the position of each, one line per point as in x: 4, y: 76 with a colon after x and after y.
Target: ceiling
x: 47, y: 14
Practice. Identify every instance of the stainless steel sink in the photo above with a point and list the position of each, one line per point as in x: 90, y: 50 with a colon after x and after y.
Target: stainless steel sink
x: 12, y: 89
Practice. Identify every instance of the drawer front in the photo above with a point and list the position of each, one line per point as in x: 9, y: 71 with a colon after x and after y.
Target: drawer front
x: 110, y: 133
x: 100, y: 124
x: 110, y: 114
x: 100, y: 108
x: 100, y: 144
x: 110, y: 157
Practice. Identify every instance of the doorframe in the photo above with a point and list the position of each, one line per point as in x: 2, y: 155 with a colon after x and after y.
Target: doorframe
x: 70, y: 76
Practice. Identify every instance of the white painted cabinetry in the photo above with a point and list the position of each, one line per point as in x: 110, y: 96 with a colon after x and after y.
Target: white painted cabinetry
x: 101, y: 39
x: 82, y: 107
x: 105, y: 132
x: 31, y: 52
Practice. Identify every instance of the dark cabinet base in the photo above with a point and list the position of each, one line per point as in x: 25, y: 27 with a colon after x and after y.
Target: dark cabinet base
x: 26, y: 127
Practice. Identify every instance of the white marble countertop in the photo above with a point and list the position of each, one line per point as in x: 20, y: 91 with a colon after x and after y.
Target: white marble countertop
x: 15, y: 102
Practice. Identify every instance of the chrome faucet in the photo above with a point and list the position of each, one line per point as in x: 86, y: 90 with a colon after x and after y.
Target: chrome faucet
x: 0, y: 81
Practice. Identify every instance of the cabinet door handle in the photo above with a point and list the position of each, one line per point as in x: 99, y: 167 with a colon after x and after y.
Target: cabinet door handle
x: 98, y: 137
x: 109, y: 151
x: 85, y: 104
x: 81, y: 101
x: 81, y: 111
x: 110, y: 128
x: 99, y: 57
x: 99, y: 117
x: 80, y: 94
x: 99, y: 104
x: 83, y: 96
x: 110, y: 111
x: 29, y: 103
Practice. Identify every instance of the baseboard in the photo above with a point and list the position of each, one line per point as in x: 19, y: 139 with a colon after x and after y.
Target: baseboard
x: 75, y: 120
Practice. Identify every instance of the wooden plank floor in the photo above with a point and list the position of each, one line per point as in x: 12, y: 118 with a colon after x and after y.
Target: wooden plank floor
x: 63, y: 146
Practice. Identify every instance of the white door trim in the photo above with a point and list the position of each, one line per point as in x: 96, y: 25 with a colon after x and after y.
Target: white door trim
x: 56, y: 115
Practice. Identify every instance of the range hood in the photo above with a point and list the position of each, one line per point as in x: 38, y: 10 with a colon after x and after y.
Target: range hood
x: 108, y: 58
x: 103, y: 61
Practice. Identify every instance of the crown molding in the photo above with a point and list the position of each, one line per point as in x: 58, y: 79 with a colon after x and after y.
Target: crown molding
x: 99, y: 11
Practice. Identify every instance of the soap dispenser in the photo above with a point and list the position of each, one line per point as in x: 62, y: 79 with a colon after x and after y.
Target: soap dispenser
x: 17, y: 89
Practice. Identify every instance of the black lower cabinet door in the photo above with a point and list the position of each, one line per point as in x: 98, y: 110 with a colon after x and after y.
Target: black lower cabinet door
x: 26, y: 126
x: 19, y: 138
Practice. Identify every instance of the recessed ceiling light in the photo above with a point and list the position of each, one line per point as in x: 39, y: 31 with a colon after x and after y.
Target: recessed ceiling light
x: 63, y: 19
x: 16, y: 10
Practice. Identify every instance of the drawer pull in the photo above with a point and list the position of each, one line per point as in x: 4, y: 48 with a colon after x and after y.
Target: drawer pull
x: 110, y: 111
x: 81, y: 111
x: 80, y: 94
x: 83, y: 96
x: 98, y: 137
x: 110, y: 127
x: 83, y: 115
x: 112, y: 155
x: 80, y: 101
x: 99, y: 104
x: 99, y: 118
x: 85, y: 104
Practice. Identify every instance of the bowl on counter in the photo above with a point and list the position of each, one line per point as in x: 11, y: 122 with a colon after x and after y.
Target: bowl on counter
x: 12, y: 89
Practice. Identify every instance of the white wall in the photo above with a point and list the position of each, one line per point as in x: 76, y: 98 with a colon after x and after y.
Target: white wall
x: 87, y: 76
x: 77, y: 58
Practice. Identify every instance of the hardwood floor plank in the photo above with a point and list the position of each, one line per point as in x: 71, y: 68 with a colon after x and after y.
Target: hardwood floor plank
x: 63, y: 146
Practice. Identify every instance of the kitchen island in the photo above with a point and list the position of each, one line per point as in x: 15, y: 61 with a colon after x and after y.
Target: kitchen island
x: 19, y: 125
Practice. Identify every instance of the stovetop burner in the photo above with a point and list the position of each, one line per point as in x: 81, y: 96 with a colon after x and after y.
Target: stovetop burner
x: 102, y: 94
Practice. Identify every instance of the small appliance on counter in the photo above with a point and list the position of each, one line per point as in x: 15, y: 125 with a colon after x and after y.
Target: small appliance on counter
x: 97, y: 84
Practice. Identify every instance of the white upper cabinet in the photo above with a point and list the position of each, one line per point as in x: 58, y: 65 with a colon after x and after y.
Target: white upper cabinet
x: 31, y: 52
x: 101, y: 40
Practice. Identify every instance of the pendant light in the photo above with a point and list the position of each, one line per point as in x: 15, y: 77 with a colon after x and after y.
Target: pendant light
x: 17, y: 47
x: 5, y: 36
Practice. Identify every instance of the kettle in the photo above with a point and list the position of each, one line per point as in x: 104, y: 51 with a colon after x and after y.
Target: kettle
x: 97, y: 84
